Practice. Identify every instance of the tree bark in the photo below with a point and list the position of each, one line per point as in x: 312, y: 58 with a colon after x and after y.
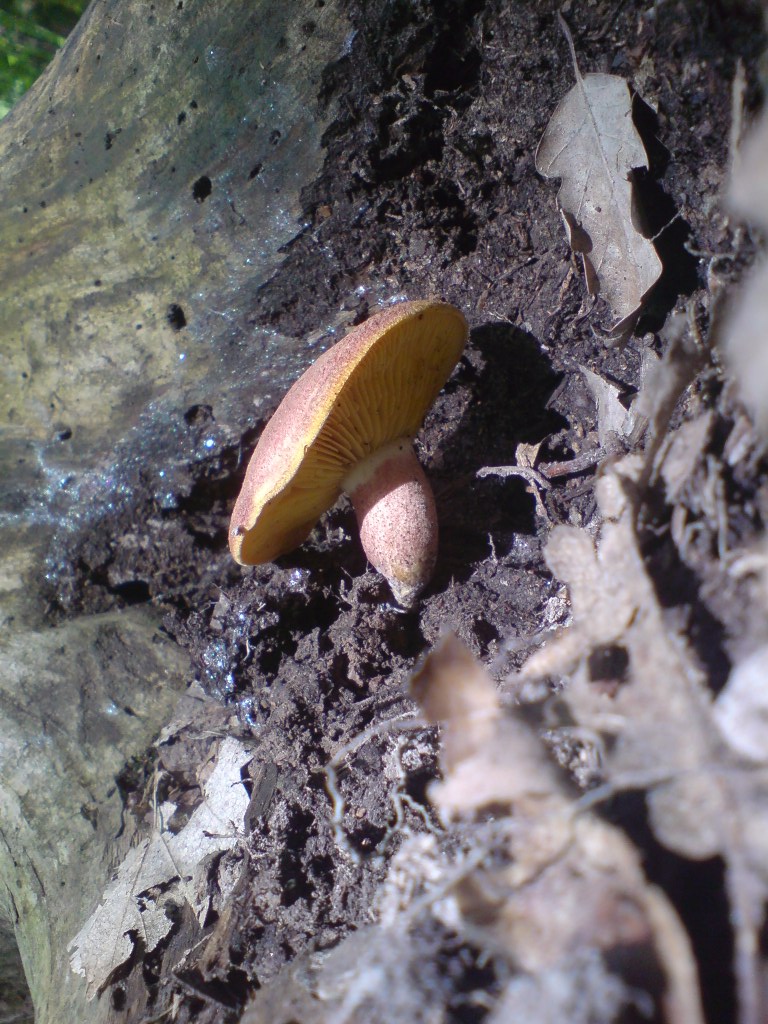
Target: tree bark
x: 151, y: 179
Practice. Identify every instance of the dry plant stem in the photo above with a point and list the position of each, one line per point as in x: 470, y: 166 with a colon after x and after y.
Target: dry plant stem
x: 525, y: 472
x: 682, y: 1002
x: 746, y: 919
x: 569, y: 39
x: 542, y: 478
x: 586, y: 460
x: 735, y: 135
x: 532, y: 476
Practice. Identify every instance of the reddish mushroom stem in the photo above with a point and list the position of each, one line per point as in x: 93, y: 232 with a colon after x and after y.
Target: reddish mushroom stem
x: 396, y: 513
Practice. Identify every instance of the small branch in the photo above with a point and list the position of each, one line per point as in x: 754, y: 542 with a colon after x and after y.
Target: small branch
x: 586, y: 460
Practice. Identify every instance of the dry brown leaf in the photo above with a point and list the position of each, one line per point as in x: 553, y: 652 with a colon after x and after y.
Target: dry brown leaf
x: 666, y: 735
x: 573, y: 883
x: 128, y: 908
x: 749, y: 188
x: 592, y: 144
x: 664, y: 381
x: 161, y: 869
x: 746, y: 328
x: 451, y: 687
x: 685, y: 452
x: 613, y: 420
x: 660, y: 716
x: 741, y: 708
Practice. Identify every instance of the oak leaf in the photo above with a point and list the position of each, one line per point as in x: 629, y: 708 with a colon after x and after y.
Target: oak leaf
x: 162, y: 870
x: 592, y: 144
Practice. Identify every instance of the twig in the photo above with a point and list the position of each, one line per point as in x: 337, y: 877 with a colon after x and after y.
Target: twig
x: 595, y: 456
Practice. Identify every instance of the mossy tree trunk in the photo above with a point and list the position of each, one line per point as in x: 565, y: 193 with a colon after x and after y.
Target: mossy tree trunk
x: 150, y: 181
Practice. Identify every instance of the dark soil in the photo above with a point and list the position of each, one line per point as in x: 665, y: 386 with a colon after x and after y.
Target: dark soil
x: 429, y: 188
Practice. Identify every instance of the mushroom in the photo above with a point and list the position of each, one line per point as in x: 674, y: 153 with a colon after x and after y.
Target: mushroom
x: 348, y: 425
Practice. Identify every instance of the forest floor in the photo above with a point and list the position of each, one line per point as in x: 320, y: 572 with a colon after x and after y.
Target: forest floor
x: 430, y: 189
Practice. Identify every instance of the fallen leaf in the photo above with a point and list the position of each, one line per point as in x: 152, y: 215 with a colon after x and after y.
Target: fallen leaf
x: 451, y: 687
x: 573, y: 883
x: 161, y: 870
x: 106, y: 941
x: 741, y: 708
x: 664, y: 382
x: 592, y: 144
x: 685, y: 452
x: 454, y: 690
x: 749, y: 188
x: 613, y: 420
x: 746, y: 325
x: 702, y: 763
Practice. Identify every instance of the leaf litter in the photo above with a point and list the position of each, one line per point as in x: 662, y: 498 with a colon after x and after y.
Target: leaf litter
x: 591, y: 143
x: 523, y: 872
x: 744, y: 333
x: 661, y: 731
x: 164, y: 869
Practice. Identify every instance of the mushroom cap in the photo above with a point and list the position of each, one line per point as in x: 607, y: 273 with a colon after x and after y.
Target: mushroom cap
x: 373, y: 386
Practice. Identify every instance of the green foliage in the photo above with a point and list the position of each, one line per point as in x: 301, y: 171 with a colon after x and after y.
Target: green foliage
x: 30, y: 33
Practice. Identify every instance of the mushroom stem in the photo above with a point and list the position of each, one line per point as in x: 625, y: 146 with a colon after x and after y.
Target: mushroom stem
x: 396, y: 514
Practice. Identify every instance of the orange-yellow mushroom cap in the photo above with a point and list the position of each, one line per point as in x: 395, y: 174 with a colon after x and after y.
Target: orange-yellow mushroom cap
x: 371, y: 388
